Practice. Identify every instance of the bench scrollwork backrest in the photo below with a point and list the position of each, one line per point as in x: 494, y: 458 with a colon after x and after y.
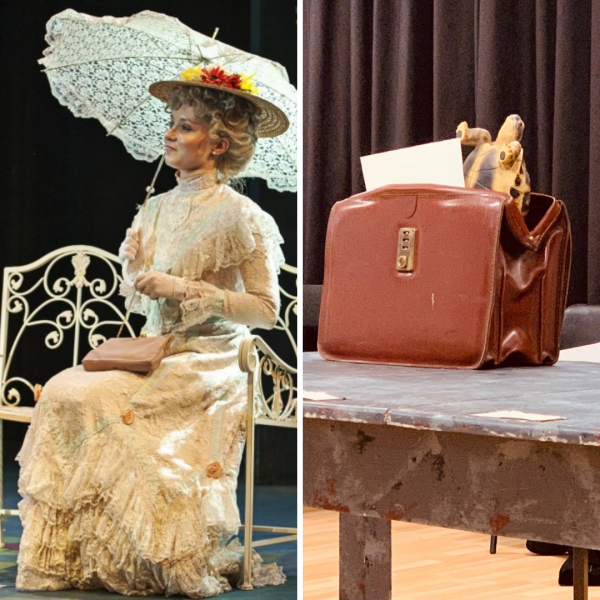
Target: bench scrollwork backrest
x: 70, y: 298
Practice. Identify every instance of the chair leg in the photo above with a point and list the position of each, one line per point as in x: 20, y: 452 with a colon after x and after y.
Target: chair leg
x: 493, y: 542
x: 248, y: 520
x: 580, y: 574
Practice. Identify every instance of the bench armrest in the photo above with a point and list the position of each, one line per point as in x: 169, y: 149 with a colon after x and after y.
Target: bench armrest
x: 271, y: 382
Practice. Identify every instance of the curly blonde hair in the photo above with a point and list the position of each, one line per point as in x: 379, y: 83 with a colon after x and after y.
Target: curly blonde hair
x: 228, y: 116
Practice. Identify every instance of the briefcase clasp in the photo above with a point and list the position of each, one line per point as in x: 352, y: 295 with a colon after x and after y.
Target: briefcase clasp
x: 405, y: 261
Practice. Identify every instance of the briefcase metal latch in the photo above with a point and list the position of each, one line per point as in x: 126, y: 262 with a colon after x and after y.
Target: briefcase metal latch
x: 405, y: 261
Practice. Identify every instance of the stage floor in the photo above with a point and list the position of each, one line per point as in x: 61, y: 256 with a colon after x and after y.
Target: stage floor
x: 275, y: 505
x: 433, y: 563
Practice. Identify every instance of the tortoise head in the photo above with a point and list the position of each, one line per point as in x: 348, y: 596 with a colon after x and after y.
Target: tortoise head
x: 511, y: 130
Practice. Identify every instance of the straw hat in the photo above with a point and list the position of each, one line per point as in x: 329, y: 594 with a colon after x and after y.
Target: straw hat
x: 271, y: 119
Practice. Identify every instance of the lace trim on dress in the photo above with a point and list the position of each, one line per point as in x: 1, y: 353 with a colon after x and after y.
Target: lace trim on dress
x: 196, y: 183
x: 221, y: 224
x: 230, y: 239
x: 117, y: 525
x: 200, y: 303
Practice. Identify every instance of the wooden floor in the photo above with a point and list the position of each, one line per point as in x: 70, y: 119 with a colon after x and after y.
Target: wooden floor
x: 431, y: 563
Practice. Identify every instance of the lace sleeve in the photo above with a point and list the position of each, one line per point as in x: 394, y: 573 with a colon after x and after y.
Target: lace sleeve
x: 202, y: 300
x: 258, y: 306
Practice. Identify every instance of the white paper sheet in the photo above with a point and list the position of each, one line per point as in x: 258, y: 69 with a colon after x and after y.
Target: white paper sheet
x: 438, y: 162
x: 517, y: 414
x: 589, y: 353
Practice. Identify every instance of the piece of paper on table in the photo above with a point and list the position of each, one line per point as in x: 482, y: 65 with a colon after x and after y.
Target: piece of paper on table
x: 438, y: 162
x: 517, y: 414
x: 319, y: 396
x: 589, y: 353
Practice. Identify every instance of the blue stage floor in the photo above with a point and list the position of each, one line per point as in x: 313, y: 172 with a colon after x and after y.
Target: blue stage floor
x: 274, y: 505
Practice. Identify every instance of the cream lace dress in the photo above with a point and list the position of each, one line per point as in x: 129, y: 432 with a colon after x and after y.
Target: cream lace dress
x: 128, y: 481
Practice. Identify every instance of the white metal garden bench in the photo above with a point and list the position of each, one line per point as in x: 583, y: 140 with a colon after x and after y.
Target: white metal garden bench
x: 72, y: 294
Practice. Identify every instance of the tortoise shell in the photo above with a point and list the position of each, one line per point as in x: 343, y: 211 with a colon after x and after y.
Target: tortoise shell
x: 497, y: 165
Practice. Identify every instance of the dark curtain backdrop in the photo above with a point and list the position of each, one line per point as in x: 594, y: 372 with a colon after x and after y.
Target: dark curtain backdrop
x: 385, y: 74
x: 63, y: 181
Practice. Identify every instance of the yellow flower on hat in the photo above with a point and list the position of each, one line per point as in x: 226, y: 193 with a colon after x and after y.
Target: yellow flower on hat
x: 247, y: 84
x: 192, y: 74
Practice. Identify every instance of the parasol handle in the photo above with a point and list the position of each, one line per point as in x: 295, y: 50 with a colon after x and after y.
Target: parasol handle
x: 150, y: 189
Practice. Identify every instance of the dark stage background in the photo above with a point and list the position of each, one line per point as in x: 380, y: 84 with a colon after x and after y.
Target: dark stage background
x: 63, y: 181
x: 385, y: 74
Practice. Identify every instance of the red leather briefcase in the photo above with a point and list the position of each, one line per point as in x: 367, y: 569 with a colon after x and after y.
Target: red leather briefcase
x: 439, y: 276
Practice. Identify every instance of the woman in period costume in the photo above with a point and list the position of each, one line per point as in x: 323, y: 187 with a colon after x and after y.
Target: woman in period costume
x: 128, y: 480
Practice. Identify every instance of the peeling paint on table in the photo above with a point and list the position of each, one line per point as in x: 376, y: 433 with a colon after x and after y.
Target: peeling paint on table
x: 404, y: 445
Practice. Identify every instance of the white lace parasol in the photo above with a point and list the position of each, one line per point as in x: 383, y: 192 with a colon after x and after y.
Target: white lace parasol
x: 101, y: 67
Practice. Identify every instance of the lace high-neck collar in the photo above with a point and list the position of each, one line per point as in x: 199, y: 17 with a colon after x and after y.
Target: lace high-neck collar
x: 196, y: 183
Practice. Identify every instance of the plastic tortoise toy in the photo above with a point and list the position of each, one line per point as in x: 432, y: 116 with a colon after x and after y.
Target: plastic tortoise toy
x: 497, y: 165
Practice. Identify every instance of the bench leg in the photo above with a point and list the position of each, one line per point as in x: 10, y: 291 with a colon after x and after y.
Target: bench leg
x: 1, y: 484
x: 365, y: 558
x: 580, y: 574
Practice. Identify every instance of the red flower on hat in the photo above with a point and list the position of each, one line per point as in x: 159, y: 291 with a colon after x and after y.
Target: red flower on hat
x: 218, y: 77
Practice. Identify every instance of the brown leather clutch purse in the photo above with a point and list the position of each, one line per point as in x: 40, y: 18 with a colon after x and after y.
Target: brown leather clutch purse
x: 439, y: 276
x: 140, y: 355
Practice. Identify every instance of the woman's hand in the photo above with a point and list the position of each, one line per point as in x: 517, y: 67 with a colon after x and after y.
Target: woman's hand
x: 131, y: 249
x: 160, y: 285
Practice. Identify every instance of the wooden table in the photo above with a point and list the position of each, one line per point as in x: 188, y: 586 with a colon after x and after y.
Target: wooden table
x: 403, y: 444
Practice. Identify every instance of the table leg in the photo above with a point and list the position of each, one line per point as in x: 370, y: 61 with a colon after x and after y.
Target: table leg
x: 580, y: 574
x: 365, y: 558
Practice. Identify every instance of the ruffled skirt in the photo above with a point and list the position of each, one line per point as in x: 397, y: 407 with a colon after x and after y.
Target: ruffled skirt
x: 128, y: 481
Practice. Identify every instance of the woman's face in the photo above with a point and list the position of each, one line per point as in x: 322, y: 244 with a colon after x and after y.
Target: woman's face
x: 187, y: 143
